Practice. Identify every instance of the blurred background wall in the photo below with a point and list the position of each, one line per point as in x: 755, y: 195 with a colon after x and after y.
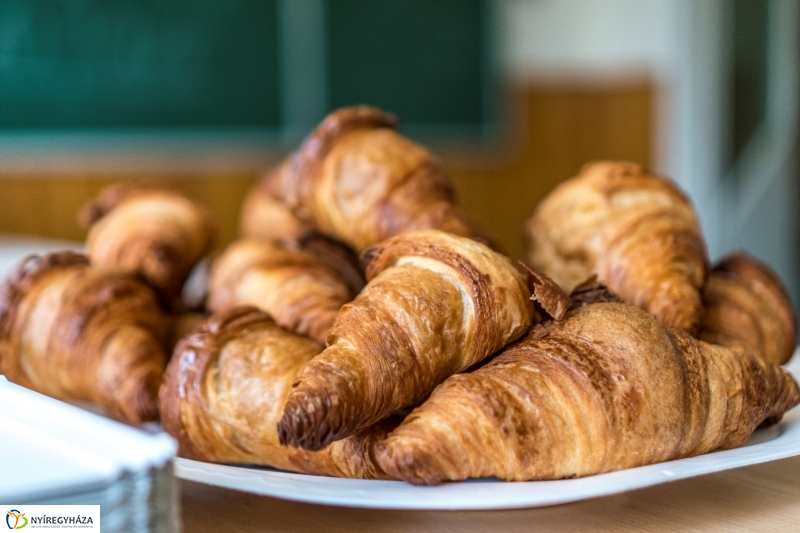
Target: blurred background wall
x: 514, y: 95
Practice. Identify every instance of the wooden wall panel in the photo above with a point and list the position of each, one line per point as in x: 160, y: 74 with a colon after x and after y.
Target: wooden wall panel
x: 562, y: 127
x: 565, y: 129
x: 48, y: 205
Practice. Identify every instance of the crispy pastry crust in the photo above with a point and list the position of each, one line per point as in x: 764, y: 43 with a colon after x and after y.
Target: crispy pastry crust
x: 637, y: 232
x: 224, y: 390
x: 550, y: 299
x: 357, y: 179
x: 605, y: 389
x: 265, y: 217
x: 745, y: 302
x: 334, y: 253
x: 148, y: 229
x: 303, y: 291
x: 590, y: 292
x: 77, y: 332
x: 435, y: 304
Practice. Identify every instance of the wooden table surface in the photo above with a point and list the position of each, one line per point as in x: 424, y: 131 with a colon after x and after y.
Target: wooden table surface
x: 757, y: 498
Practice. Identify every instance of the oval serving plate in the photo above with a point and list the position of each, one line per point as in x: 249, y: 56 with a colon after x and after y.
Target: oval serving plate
x: 777, y: 442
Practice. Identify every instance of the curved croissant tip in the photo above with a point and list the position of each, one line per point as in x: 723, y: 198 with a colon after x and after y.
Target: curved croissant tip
x: 139, y: 403
x: 748, y: 268
x: 791, y: 394
x: 306, y: 423
x: 409, y: 463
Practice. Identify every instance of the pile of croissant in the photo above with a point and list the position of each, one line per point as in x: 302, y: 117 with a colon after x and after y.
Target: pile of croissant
x: 362, y: 328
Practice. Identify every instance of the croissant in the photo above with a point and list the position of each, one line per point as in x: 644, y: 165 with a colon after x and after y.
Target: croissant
x: 265, y: 217
x: 605, y: 389
x: 638, y: 233
x: 435, y: 304
x: 148, y: 229
x: 745, y: 302
x: 302, y: 290
x: 357, y: 179
x: 223, y: 393
x: 78, y: 332
x: 334, y: 253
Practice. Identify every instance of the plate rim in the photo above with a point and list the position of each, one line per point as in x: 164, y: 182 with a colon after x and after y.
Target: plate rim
x: 487, y: 494
x: 482, y: 494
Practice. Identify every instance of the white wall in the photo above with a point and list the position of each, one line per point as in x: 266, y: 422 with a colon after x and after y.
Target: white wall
x: 598, y: 37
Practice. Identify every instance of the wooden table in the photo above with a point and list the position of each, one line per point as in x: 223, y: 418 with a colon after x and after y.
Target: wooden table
x: 757, y: 498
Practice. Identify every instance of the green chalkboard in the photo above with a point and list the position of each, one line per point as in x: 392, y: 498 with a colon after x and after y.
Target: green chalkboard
x: 271, y: 68
x: 750, y: 32
x: 100, y: 64
x: 424, y: 60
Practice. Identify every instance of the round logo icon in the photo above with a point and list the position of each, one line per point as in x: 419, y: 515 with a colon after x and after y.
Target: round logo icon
x: 16, y: 519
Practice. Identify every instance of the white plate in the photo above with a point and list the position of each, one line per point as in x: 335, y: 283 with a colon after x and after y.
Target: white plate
x: 777, y: 442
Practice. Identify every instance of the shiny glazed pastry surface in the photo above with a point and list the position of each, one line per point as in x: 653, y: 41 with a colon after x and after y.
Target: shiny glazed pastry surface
x: 301, y: 290
x: 745, y: 302
x: 435, y: 304
x: 148, y: 229
x: 637, y: 232
x: 78, y: 332
x: 605, y: 389
x: 224, y: 391
x: 357, y: 179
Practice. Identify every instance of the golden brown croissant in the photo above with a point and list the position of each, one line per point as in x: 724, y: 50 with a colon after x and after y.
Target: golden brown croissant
x: 334, y: 253
x: 302, y: 290
x: 265, y: 217
x: 357, y: 179
x: 636, y: 231
x: 148, y: 229
x: 224, y: 391
x: 745, y: 302
x: 436, y: 304
x: 77, y: 332
x: 605, y: 389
